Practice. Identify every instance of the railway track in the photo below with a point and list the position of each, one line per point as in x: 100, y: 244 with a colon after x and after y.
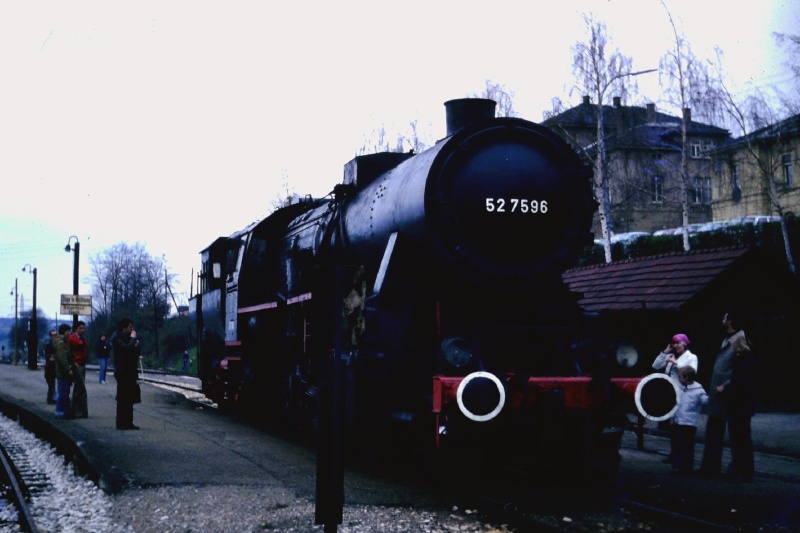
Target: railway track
x: 15, y: 514
x: 528, y: 502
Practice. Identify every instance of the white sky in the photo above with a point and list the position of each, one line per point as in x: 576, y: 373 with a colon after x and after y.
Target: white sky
x: 172, y: 123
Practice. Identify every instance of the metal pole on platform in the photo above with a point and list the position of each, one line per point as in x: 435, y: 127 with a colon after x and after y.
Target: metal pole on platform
x: 15, y: 355
x: 77, y: 249
x: 330, y: 462
x: 33, y: 331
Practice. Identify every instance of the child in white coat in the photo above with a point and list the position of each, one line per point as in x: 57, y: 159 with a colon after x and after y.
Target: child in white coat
x: 686, y: 419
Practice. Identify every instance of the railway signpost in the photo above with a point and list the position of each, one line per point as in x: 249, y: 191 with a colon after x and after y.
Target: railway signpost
x: 75, y: 304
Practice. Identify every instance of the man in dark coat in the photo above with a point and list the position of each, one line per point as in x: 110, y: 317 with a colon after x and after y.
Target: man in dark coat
x: 50, y: 367
x: 125, y: 347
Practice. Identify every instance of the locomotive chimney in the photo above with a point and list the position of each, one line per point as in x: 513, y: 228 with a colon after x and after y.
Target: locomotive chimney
x: 465, y: 111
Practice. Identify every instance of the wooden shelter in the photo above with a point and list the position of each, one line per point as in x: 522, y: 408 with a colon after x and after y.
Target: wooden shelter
x: 647, y: 300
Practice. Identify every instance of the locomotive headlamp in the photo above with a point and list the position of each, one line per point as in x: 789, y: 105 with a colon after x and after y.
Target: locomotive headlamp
x: 626, y: 355
x: 456, y: 352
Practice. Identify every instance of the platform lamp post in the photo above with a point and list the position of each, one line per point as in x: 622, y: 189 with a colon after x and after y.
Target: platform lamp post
x: 33, y: 330
x: 15, y: 292
x: 77, y: 249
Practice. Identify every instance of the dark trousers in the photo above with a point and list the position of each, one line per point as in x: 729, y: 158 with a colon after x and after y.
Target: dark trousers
x: 712, y: 452
x: 124, y: 414
x: 742, y: 446
x: 80, y: 401
x: 62, y: 402
x: 683, y: 447
x: 51, y: 389
x: 125, y: 400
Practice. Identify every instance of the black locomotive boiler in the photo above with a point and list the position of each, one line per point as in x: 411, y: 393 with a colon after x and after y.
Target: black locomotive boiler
x: 437, y: 278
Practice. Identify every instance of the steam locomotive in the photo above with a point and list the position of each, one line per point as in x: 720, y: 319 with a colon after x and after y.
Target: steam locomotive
x: 436, y: 278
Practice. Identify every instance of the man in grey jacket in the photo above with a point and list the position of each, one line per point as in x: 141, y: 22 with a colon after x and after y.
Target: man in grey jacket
x: 717, y: 401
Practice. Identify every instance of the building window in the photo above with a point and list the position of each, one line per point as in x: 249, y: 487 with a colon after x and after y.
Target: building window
x: 786, y: 163
x: 658, y: 189
x: 736, y: 182
x: 698, y: 147
x: 701, y: 191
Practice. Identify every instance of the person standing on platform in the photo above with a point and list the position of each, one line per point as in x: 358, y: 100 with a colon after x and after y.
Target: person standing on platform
x: 79, y: 348
x: 64, y: 373
x: 50, y: 368
x: 717, y: 401
x: 686, y: 419
x: 103, y: 351
x: 741, y: 393
x: 125, y: 347
x: 675, y: 356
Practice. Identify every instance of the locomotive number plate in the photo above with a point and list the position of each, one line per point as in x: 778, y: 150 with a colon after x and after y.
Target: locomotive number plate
x: 515, y: 205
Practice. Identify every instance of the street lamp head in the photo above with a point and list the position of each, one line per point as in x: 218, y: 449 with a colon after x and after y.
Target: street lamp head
x: 67, y: 247
x: 27, y: 267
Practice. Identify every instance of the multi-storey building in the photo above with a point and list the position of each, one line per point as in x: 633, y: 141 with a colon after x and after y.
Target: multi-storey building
x: 749, y: 166
x: 643, y: 154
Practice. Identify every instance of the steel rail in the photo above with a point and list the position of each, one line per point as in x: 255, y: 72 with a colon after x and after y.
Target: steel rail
x: 11, y: 475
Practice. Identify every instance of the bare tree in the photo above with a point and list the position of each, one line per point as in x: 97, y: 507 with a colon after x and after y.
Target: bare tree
x: 379, y: 141
x: 599, y: 69
x: 558, y: 107
x: 763, y: 147
x: 688, y: 85
x: 126, y: 280
x: 500, y: 94
x: 791, y: 42
x: 287, y: 194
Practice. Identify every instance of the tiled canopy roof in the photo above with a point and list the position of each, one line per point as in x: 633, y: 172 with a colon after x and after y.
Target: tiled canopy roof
x: 664, y: 282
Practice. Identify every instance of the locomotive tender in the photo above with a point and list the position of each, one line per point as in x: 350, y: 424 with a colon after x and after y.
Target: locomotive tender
x: 437, y: 277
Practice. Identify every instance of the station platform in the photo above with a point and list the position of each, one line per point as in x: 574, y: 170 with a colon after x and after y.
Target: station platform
x: 178, y: 443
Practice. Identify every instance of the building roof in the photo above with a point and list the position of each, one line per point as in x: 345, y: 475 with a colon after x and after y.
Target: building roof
x: 785, y: 129
x: 678, y: 281
x: 627, y: 117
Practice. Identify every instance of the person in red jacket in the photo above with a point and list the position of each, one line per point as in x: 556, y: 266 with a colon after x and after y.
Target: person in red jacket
x: 79, y: 347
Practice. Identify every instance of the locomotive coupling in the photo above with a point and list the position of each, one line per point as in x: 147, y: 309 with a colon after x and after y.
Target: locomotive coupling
x: 481, y: 396
x: 656, y: 397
